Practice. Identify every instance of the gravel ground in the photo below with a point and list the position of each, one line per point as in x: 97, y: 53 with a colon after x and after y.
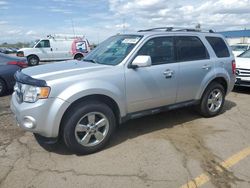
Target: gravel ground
x: 163, y: 150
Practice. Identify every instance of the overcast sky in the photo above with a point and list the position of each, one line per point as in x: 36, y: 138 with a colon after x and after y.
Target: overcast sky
x: 26, y: 20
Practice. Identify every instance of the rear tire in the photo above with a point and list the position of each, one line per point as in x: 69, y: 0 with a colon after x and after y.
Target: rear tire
x: 33, y: 60
x: 3, y: 87
x: 212, y: 101
x: 78, y: 57
x: 88, y: 126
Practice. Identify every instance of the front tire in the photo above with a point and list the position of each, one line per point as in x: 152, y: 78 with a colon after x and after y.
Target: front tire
x: 212, y: 101
x: 3, y: 87
x: 88, y: 127
x: 78, y: 57
x: 33, y: 60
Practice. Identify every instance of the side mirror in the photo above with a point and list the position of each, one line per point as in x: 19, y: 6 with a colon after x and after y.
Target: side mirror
x: 141, y: 61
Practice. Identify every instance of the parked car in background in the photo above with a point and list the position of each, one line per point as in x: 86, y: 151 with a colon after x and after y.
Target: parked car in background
x: 125, y: 77
x: 8, y: 66
x: 243, y: 69
x: 4, y: 50
x: 57, y: 47
x: 239, y: 48
x: 13, y: 50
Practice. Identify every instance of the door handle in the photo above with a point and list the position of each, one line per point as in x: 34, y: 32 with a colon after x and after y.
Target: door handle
x: 206, y: 67
x: 168, y: 73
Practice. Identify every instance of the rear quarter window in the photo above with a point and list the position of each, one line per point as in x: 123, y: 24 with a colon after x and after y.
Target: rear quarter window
x: 219, y: 46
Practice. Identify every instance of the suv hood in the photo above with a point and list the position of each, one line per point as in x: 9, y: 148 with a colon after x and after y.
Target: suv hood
x: 63, y: 69
x: 242, y: 63
x: 236, y: 53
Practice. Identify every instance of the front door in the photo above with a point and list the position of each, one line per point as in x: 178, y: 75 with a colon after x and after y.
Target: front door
x: 44, y: 50
x: 154, y: 86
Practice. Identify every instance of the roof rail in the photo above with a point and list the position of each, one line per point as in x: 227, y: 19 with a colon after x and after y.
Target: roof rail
x: 169, y: 29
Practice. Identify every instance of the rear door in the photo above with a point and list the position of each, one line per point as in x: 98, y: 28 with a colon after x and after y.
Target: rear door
x: 154, y: 86
x: 195, y: 64
x: 62, y: 49
x: 223, y: 57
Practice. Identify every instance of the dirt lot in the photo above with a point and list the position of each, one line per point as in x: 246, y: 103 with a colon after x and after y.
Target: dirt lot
x: 165, y: 150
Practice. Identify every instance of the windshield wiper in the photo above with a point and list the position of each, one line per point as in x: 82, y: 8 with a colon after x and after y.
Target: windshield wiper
x: 90, y: 60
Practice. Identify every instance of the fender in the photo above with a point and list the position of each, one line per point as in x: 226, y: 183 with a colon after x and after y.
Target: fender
x: 83, y: 89
x: 217, y: 73
x: 78, y: 91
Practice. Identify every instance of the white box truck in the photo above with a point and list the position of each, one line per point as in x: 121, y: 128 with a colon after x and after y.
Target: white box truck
x: 56, y: 47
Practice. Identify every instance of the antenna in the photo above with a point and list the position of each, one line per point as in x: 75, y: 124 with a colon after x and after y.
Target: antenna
x: 123, y: 25
x: 73, y: 27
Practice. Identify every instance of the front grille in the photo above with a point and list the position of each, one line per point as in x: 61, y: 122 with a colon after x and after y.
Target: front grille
x: 243, y: 72
x: 240, y: 82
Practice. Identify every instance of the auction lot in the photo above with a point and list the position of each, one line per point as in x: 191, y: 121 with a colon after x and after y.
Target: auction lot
x: 165, y: 150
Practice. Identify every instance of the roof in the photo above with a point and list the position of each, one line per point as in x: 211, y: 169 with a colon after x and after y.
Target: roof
x: 172, y: 33
x: 236, y: 33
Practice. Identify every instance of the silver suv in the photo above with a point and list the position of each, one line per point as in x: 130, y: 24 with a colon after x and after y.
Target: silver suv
x: 127, y: 76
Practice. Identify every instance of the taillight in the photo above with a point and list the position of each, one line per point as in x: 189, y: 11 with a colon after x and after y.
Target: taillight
x: 18, y: 63
x: 233, y: 67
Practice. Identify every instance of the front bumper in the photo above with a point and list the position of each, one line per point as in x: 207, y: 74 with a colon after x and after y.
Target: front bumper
x: 46, y: 114
x: 242, y: 81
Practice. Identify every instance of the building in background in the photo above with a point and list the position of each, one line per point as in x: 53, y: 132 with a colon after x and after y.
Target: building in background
x: 237, y: 36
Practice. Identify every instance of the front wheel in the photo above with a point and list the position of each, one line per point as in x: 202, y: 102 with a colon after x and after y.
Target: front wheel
x: 33, y: 60
x: 88, y: 127
x: 3, y: 87
x: 212, y: 100
x: 78, y: 57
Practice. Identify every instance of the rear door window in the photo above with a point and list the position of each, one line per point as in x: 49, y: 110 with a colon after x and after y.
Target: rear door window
x: 219, y: 46
x: 190, y: 48
x: 81, y: 46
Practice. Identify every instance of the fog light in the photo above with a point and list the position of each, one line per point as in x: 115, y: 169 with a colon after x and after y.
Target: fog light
x: 29, y: 122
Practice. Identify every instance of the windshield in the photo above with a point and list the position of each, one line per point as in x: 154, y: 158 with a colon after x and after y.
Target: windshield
x: 113, y: 50
x: 239, y: 48
x: 245, y: 54
x: 33, y: 44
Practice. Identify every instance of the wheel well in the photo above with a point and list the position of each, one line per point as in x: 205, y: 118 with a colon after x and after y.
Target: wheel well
x: 33, y: 55
x: 222, y: 81
x: 1, y: 78
x: 101, y: 98
x: 78, y: 54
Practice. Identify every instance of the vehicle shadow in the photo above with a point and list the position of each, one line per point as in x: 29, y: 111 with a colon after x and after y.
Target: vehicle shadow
x: 243, y: 90
x: 7, y: 93
x: 145, y: 125
x: 164, y: 120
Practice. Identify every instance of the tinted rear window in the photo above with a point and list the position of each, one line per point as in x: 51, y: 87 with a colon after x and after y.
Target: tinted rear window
x: 190, y: 48
x: 219, y: 46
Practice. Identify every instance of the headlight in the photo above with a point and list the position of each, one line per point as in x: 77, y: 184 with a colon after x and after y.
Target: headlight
x: 32, y: 93
x: 20, y: 54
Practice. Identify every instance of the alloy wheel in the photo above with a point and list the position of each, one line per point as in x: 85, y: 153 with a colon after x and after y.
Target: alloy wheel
x: 215, y: 99
x: 91, y: 129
